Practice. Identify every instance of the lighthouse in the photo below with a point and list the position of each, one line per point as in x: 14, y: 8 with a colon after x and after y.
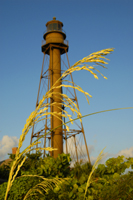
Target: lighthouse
x: 53, y: 133
x: 55, y: 46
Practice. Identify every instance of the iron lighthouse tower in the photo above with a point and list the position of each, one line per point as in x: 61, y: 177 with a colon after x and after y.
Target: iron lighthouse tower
x: 54, y: 46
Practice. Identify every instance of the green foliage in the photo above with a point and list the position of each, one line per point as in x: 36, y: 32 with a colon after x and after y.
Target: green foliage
x: 113, y: 167
x: 108, y: 181
x: 12, y: 156
x: 81, y: 171
x: 34, y: 156
x: 32, y: 164
x: 35, y: 165
x: 120, y: 189
x: 4, y: 170
x: 19, y: 189
x: 47, y: 167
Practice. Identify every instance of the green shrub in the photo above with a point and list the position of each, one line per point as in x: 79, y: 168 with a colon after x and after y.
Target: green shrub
x: 4, y: 171
x: 19, y: 188
x: 107, y: 181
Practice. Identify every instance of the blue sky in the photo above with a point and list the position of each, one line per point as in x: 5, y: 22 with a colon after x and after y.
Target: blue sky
x: 90, y: 25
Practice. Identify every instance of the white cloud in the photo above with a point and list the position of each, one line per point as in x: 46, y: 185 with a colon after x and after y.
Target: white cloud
x: 126, y: 152
x: 6, y: 145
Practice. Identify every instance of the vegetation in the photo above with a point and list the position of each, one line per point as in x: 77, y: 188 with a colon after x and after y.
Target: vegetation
x: 107, y: 181
x: 4, y: 171
x: 34, y: 177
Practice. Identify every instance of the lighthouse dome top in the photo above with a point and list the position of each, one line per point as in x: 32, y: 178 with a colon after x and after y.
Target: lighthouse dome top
x: 54, y: 25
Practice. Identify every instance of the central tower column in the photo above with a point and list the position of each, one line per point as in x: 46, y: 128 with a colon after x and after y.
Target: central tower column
x: 55, y: 74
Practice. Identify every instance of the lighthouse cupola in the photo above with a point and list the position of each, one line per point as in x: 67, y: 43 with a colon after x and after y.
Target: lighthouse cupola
x: 54, y: 34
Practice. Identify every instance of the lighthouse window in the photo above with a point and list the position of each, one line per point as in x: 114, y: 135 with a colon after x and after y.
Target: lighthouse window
x: 55, y: 26
x: 49, y: 27
x: 59, y: 27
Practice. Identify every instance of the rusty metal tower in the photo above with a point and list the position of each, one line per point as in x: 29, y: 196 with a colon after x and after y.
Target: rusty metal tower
x: 54, y: 46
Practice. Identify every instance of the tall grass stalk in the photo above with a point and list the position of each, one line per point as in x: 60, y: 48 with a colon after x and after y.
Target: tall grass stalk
x: 93, y: 169
x: 41, y: 111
